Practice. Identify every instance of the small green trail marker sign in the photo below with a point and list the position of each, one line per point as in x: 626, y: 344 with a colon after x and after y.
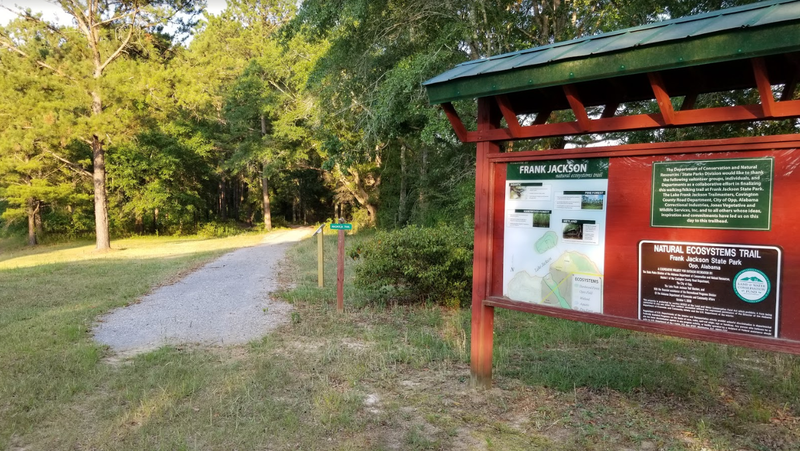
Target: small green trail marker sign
x: 341, y: 226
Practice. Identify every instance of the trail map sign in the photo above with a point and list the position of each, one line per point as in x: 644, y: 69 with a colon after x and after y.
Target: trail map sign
x: 688, y: 243
x: 555, y: 233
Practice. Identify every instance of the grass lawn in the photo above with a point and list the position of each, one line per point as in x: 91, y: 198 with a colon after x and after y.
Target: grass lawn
x: 377, y: 377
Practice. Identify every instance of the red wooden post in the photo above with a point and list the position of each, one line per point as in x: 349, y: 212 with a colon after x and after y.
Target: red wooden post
x: 340, y: 274
x: 483, y: 316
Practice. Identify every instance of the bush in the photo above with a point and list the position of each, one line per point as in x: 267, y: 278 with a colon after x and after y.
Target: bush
x: 220, y: 229
x: 418, y: 264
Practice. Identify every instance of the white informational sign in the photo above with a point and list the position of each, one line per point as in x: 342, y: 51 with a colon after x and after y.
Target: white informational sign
x: 554, y: 247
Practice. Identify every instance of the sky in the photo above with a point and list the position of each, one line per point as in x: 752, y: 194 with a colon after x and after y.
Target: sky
x: 53, y: 12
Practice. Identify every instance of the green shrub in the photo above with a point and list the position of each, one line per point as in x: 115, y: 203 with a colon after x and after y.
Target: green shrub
x: 220, y: 229
x: 418, y: 264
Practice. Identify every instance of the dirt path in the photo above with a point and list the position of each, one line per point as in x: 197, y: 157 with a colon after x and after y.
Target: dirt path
x: 224, y: 302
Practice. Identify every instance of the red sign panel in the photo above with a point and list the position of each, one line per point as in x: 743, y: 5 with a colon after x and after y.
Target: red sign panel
x: 688, y: 243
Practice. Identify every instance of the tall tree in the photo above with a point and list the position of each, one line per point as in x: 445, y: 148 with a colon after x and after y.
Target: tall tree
x: 375, y: 117
x: 258, y: 91
x: 31, y: 177
x: 105, y: 33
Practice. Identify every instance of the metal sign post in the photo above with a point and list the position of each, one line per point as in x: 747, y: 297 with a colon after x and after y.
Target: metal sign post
x: 340, y: 265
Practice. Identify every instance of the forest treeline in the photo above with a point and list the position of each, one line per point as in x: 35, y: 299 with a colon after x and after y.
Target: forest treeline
x: 150, y: 117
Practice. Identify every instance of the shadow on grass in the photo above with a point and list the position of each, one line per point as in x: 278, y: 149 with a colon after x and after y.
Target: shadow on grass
x: 46, y: 315
x: 565, y: 355
x: 11, y: 249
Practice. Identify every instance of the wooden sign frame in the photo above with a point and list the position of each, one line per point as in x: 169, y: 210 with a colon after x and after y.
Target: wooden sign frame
x: 628, y: 198
x: 663, y: 234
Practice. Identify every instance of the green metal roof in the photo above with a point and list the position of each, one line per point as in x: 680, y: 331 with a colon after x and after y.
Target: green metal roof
x: 756, y: 30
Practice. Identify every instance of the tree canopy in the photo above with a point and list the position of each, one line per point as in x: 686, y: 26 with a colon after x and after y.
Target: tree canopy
x: 148, y: 117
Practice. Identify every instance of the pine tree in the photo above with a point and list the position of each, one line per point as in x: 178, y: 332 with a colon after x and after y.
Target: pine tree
x: 83, y: 56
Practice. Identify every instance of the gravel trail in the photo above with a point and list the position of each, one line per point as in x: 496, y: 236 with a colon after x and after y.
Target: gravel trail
x: 224, y: 302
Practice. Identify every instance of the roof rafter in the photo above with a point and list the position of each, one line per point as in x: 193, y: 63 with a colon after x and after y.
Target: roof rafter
x: 755, y: 46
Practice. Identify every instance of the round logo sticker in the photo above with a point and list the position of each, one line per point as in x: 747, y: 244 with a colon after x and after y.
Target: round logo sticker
x: 751, y: 285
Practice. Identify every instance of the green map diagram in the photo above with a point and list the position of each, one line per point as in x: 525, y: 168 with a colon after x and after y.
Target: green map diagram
x: 554, y: 233
x: 546, y: 242
x: 555, y: 287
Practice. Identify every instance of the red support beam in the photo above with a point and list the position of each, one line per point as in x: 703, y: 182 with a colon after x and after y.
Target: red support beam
x: 578, y: 108
x: 772, y: 142
x: 455, y: 121
x: 789, y: 108
x: 764, y: 87
x: 763, y: 343
x: 739, y: 113
x: 509, y: 115
x: 664, y: 102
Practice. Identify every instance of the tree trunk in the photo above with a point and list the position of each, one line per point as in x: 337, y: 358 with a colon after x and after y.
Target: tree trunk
x: 361, y: 195
x: 32, y: 222
x: 138, y: 224
x: 100, y: 200
x: 242, y: 198
x: 234, y: 201
x: 296, y: 206
x: 37, y: 218
x: 401, y: 208
x: 423, y: 184
x: 223, y: 207
x: 265, y: 182
x: 238, y: 197
x: 265, y: 198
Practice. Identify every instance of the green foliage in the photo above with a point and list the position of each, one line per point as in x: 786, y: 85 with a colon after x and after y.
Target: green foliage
x: 320, y: 101
x: 219, y: 229
x: 165, y: 172
x: 418, y: 264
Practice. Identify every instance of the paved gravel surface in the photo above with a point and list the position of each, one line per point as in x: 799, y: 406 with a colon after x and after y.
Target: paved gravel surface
x: 224, y: 302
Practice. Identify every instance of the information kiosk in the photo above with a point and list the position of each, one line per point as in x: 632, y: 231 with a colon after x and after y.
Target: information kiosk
x: 696, y: 239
